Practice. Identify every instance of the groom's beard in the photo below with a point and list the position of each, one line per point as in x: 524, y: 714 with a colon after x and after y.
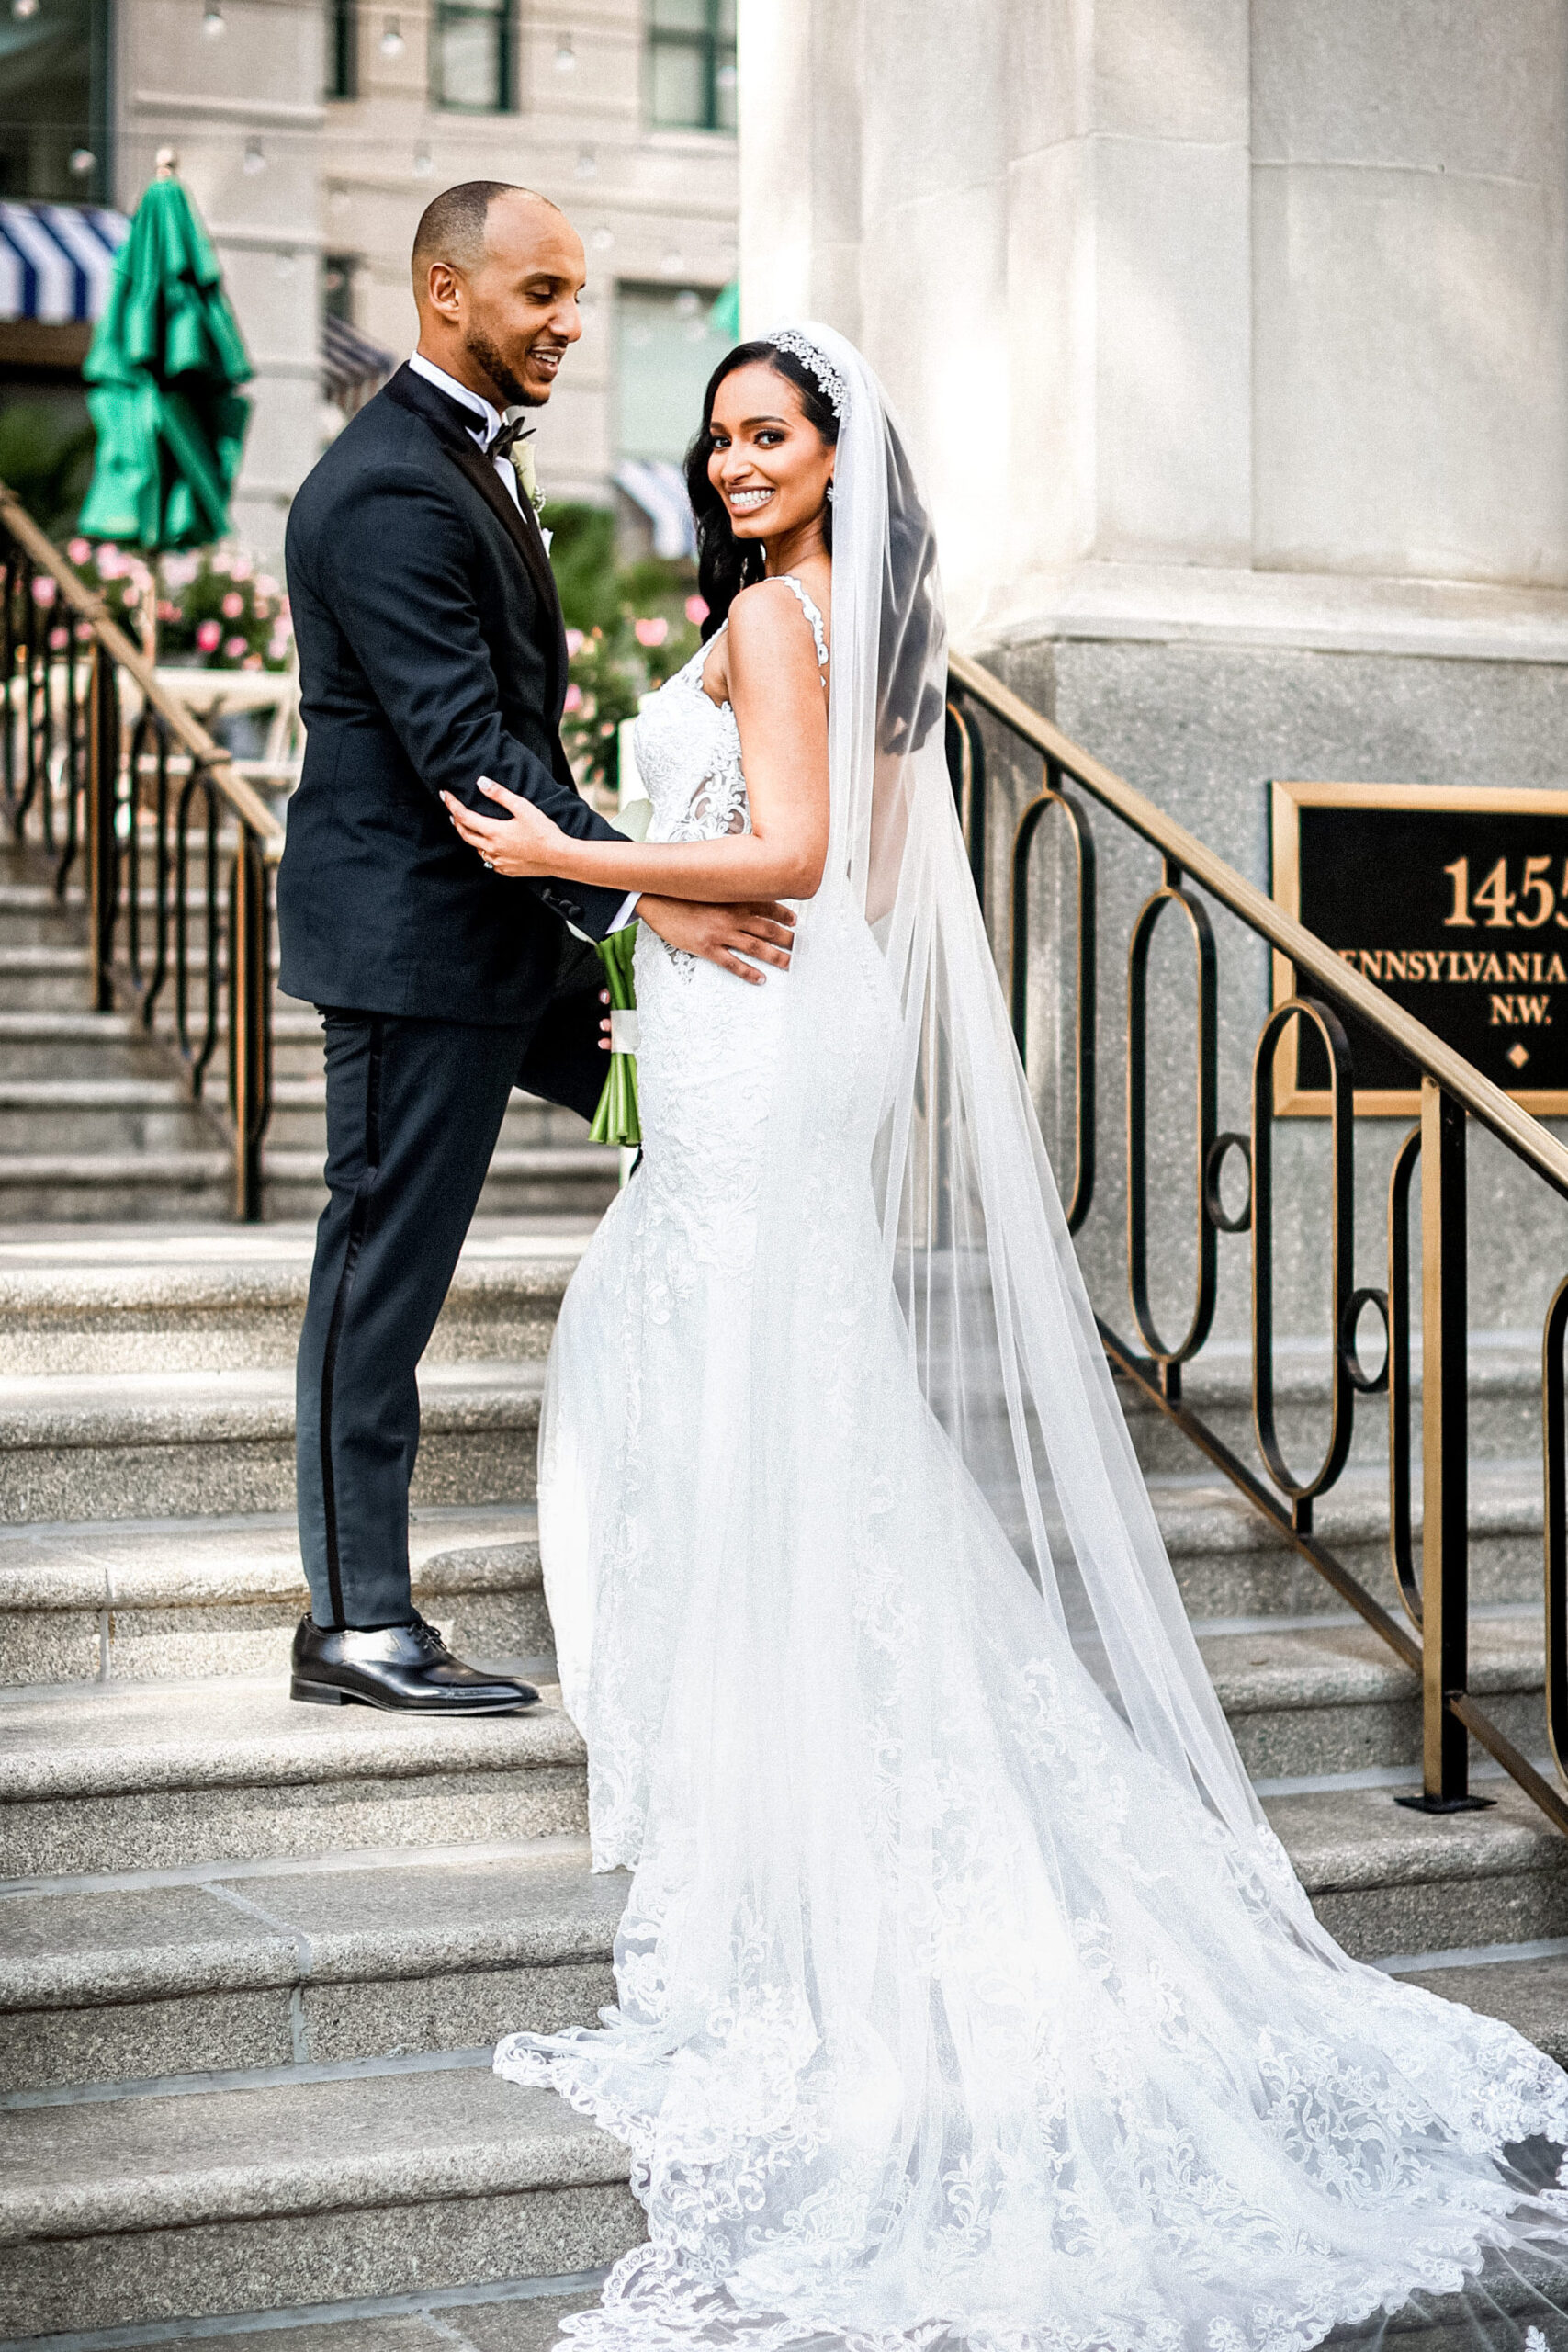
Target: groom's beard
x: 479, y: 346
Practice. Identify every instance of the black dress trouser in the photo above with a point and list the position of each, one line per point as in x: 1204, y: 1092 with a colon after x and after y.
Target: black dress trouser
x: 414, y: 1110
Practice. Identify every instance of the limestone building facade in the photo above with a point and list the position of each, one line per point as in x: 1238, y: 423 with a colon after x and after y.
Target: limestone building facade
x: 313, y: 133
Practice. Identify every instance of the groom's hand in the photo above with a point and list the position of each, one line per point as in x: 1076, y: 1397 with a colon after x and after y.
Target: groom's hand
x: 723, y: 935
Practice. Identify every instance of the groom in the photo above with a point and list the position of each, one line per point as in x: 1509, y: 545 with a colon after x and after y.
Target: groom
x: 431, y: 654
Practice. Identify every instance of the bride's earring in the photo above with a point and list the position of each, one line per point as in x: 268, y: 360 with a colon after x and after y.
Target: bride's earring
x: 829, y: 489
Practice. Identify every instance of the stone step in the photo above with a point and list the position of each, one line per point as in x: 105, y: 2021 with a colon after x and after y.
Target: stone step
x: 172, y: 1187
x: 136, y: 1980
x: 510, y: 2315
x: 42, y: 975
x: 118, y: 2212
x: 148, y: 1977
x: 154, y: 1187
x: 1504, y: 1404
x: 48, y: 1042
x: 1387, y: 1881
x: 31, y: 915
x: 151, y: 1445
x: 143, y: 1300
x: 545, y: 1180
x: 110, y: 1603
x: 1331, y: 1700
x: 73, y: 1118
x: 1230, y: 1562
x: 299, y: 1119
x: 171, y: 1600
x: 170, y: 1773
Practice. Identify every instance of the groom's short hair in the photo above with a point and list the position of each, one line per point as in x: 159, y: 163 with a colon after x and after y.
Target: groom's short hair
x: 451, y: 227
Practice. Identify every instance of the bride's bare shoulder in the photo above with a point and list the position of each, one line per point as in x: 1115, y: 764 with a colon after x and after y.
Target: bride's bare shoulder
x: 767, y: 621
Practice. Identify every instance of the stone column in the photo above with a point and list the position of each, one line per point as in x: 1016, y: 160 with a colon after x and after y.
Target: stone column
x: 1233, y: 343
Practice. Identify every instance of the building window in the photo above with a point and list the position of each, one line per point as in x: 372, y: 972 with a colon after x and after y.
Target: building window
x: 343, y: 48
x: 54, y: 115
x: 668, y: 342
x: 690, y: 64
x: 337, y: 286
x: 473, y: 56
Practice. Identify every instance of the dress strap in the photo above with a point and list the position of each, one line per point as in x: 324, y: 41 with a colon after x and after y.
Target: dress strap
x: 819, y: 634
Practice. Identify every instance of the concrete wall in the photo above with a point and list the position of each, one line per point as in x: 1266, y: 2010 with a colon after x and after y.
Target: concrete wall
x: 1232, y: 342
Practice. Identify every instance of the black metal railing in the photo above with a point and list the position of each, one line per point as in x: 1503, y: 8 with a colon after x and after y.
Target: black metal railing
x: 107, y: 776
x: 1431, y: 1578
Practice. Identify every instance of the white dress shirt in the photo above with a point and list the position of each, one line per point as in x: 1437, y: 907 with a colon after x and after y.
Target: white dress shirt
x: 490, y: 418
x: 490, y: 422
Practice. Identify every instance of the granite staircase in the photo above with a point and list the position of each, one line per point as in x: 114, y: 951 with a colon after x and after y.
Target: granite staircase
x: 254, y: 1957
x: 96, y: 1122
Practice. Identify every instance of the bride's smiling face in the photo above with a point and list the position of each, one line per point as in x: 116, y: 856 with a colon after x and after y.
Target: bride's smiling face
x: 770, y: 465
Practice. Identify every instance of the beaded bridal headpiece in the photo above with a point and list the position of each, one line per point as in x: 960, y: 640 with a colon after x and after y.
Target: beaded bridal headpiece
x: 835, y: 390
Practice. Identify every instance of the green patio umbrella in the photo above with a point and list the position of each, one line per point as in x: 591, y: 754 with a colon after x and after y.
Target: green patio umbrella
x: 162, y: 375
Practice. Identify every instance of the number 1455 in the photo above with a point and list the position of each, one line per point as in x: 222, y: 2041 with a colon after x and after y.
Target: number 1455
x: 1525, y: 908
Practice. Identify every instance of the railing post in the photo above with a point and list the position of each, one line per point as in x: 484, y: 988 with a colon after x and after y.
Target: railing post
x: 103, y: 849
x: 249, y: 986
x: 1445, y: 1450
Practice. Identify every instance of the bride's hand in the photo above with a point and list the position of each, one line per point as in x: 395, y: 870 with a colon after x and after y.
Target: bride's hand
x: 526, y: 842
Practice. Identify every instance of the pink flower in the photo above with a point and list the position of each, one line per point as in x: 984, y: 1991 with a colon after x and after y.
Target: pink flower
x: 251, y: 662
x: 696, y: 610
x: 112, y: 565
x: 59, y: 639
x: 574, y: 698
x: 207, y: 636
x: 234, y: 647
x: 44, y: 591
x: 233, y: 605
x: 573, y: 643
x: 653, y: 632
x: 239, y: 568
x: 79, y: 551
x: 83, y: 632
x: 266, y: 584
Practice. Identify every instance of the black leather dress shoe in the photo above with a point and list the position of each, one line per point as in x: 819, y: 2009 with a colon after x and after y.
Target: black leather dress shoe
x: 407, y: 1668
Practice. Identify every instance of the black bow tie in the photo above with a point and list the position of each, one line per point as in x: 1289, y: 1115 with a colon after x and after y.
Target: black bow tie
x: 506, y: 440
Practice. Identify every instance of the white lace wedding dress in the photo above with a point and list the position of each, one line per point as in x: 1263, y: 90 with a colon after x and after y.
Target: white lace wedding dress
x: 947, y: 2009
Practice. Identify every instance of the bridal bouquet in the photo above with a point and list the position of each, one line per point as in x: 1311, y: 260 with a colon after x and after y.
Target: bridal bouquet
x: 615, y: 1120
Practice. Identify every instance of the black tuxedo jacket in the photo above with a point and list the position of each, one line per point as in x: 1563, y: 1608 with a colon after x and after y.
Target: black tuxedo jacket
x: 431, y: 653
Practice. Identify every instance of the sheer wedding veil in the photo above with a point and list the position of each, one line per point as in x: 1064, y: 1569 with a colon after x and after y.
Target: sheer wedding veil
x: 973, y: 1237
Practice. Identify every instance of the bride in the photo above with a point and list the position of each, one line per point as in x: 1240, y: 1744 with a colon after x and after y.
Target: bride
x: 965, y: 1994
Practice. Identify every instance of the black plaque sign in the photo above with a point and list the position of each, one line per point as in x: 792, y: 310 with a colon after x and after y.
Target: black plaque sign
x: 1456, y: 903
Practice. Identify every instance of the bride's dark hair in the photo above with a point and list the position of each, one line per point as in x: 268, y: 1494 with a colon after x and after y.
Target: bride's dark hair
x: 725, y: 563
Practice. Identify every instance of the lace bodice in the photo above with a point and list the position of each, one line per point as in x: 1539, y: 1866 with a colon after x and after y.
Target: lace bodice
x: 688, y: 747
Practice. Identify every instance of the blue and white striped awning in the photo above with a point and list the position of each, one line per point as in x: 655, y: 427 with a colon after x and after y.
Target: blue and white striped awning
x: 56, y: 260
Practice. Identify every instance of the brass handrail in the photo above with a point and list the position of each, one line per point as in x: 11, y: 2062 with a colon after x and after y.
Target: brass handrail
x: 1434, y: 1596
x: 1484, y: 1100
x: 180, y: 720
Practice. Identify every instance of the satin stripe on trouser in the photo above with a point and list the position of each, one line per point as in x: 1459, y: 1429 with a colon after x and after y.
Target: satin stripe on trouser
x: 414, y: 1110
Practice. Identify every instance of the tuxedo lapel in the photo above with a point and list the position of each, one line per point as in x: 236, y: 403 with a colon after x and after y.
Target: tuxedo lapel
x: 523, y: 533
x: 444, y: 418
